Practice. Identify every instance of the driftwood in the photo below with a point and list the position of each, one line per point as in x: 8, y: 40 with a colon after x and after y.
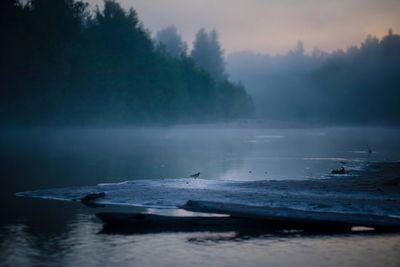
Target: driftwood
x: 116, y: 222
x: 296, y: 217
x: 243, y: 218
x: 119, y: 218
x: 196, y: 175
x: 137, y: 223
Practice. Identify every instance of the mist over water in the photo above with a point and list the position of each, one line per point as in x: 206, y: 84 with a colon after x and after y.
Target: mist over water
x: 78, y: 156
x: 91, y: 100
x: 355, y: 86
x: 54, y: 233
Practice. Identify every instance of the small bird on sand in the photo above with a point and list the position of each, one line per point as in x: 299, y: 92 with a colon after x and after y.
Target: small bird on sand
x: 196, y: 175
x: 369, y: 150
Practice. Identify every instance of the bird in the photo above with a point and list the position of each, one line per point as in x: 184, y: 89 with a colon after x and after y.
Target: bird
x: 196, y: 175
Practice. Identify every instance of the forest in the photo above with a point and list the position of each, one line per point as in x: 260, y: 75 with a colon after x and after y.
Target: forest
x: 65, y: 64
x: 356, y: 86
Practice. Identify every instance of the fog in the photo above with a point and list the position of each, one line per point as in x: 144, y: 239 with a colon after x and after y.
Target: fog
x: 271, y: 26
x: 63, y: 63
x: 359, y: 85
x: 150, y: 104
x: 66, y: 63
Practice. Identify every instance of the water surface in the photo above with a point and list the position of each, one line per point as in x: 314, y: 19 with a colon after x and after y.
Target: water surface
x: 37, y: 232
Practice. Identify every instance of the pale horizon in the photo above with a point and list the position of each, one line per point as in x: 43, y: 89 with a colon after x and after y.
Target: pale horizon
x: 272, y: 26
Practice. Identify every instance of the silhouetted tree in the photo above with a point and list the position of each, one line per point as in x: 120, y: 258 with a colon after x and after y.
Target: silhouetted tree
x: 169, y: 41
x: 357, y: 85
x: 208, y: 54
x: 61, y: 64
x: 299, y: 49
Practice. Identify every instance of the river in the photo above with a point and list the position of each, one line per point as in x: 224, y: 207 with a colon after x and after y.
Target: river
x: 50, y: 233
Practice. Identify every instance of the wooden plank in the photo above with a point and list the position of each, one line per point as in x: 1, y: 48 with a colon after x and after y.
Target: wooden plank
x: 316, y: 218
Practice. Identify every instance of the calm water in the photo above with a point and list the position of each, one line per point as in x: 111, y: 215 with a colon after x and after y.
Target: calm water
x: 47, y: 233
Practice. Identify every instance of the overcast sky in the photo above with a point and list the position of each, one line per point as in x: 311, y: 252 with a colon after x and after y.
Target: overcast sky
x: 272, y: 26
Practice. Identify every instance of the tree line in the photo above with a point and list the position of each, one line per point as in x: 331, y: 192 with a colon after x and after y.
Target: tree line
x: 64, y: 64
x: 359, y: 85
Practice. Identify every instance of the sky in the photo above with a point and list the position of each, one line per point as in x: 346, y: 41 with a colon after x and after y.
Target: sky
x: 272, y: 26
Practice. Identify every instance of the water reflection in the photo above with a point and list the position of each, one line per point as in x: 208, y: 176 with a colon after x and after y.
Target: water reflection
x: 81, y: 245
x: 38, y: 233
x: 44, y: 158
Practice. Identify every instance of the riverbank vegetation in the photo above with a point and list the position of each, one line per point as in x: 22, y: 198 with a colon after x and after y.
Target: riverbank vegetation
x: 64, y: 64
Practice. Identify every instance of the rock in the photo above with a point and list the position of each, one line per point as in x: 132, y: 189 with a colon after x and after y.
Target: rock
x: 90, y: 198
x: 341, y: 170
